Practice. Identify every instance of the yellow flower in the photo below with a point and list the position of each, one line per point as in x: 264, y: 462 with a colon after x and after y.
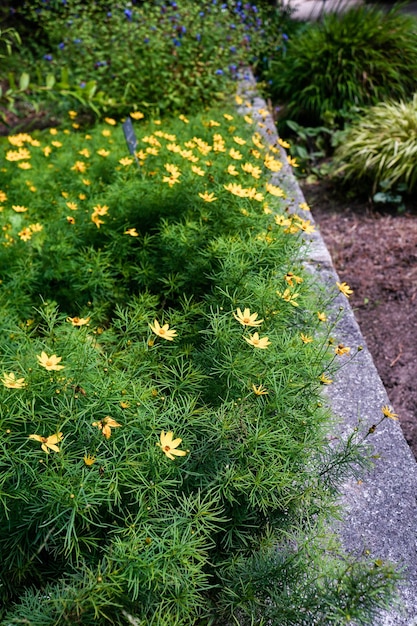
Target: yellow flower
x: 345, y: 289
x: 78, y: 321
x: 125, y: 404
x: 304, y: 206
x: 25, y: 234
x: 235, y: 154
x: 232, y: 170
x: 239, y: 141
x: 260, y: 390
x: 274, y: 190
x: 70, y: 219
x: 50, y: 363
x: 47, y: 150
x: 101, y: 209
x: 89, y: 460
x: 79, y: 166
x: 258, y: 342
x: 105, y: 425
x: 305, y: 338
x: 53, y: 131
x: 208, y: 197
x: 110, y: 120
x: 102, y: 152
x: 325, y: 380
x: 126, y: 161
x: 272, y: 164
x: 132, y: 232
x: 11, y: 382
x: 106, y: 132
x: 283, y: 143
x: 56, y: 144
x: 72, y: 205
x: 388, y: 413
x: 289, y: 297
x: 238, y: 99
x: 137, y: 115
x: 96, y: 220
x: 290, y: 277
x: 246, y: 318
x: 19, y: 209
x: 292, y: 162
x: 322, y: 316
x: 248, y: 119
x: 86, y: 181
x: 163, y: 331
x: 228, y: 117
x: 169, y: 445
x: 183, y: 119
x: 236, y: 189
x: 48, y: 443
x: 197, y: 170
x: 72, y: 114
x: 341, y: 349
x: 84, y: 152
x: 3, y: 196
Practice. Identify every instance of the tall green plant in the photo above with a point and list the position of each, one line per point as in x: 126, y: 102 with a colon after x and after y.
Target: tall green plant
x: 358, y: 58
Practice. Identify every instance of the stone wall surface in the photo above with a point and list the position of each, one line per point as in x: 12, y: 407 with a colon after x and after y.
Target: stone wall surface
x: 380, y: 512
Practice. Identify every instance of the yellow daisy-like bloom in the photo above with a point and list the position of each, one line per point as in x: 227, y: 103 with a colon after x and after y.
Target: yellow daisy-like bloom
x: 110, y: 120
x: 78, y: 321
x: 197, y: 170
x: 102, y: 152
x: 246, y: 318
x: 47, y: 150
x: 79, y: 166
x: 48, y: 443
x: 248, y: 119
x: 236, y: 189
x: 72, y: 114
x: 11, y: 382
x: 260, y: 390
x: 289, y: 297
x: 345, y: 289
x: 169, y: 445
x: 305, y: 338
x: 56, y: 144
x: 105, y: 425
x: 292, y: 162
x: 25, y: 234
x: 322, y: 316
x: 274, y: 190
x: 3, y: 196
x: 183, y: 119
x: 89, y: 460
x: 207, y: 197
x: 50, y: 363
x: 132, y: 232
x: 70, y: 219
x: 283, y: 143
x: 258, y: 342
x: 86, y: 181
x: 137, y: 115
x: 106, y: 132
x: 235, y: 154
x: 72, y: 206
x: 53, y: 131
x: 238, y: 99
x: 101, y: 209
x: 388, y: 413
x: 24, y: 165
x: 272, y: 164
x: 341, y: 349
x: 304, y: 206
x: 163, y: 331
x: 325, y: 380
x: 19, y: 209
x: 84, y: 152
x: 232, y: 170
x: 96, y: 220
x: 228, y: 117
x: 239, y: 141
x: 126, y: 161
x: 290, y: 278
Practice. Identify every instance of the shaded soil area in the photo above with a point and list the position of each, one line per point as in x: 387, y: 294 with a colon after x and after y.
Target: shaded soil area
x: 376, y: 254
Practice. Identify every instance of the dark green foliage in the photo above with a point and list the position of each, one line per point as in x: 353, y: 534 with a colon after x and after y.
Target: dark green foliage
x: 345, y: 61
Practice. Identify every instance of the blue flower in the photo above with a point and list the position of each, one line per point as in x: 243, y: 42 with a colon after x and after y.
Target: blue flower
x: 109, y: 14
x: 176, y: 42
x: 219, y: 72
x: 232, y: 49
x: 48, y: 57
x: 82, y: 84
x: 61, y: 45
x: 77, y: 40
x: 146, y: 40
x: 201, y: 14
x: 128, y: 14
x: 198, y: 37
x: 285, y: 37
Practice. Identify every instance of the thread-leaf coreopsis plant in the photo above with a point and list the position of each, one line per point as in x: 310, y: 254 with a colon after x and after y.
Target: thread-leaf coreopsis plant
x: 164, y: 451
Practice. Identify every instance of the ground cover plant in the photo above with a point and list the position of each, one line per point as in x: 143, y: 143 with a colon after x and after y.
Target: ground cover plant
x: 348, y: 60
x: 164, y: 451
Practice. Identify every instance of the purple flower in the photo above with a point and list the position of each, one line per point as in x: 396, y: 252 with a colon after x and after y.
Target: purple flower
x: 128, y: 14
x: 219, y: 72
x: 232, y: 49
x: 82, y: 84
x: 61, y: 45
x: 48, y: 57
x: 285, y: 37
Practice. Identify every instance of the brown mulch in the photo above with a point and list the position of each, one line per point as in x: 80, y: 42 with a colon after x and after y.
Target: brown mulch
x: 376, y: 254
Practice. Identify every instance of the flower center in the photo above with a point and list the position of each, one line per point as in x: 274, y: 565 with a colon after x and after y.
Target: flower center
x: 246, y: 320
x: 255, y: 342
x: 162, y: 331
x: 167, y: 448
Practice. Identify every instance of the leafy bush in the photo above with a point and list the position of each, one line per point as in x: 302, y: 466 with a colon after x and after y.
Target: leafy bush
x: 123, y: 303
x: 358, y: 58
x: 155, y: 55
x: 380, y: 148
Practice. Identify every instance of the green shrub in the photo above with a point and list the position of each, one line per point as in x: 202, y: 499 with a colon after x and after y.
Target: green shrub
x: 380, y: 148
x: 123, y: 296
x: 359, y: 58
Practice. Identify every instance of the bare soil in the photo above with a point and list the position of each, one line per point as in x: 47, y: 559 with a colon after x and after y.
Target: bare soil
x: 376, y: 254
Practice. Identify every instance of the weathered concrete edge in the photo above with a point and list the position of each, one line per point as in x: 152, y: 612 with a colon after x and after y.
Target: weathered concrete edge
x: 381, y: 511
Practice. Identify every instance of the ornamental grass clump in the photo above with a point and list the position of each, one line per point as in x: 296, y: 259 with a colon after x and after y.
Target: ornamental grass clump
x: 380, y: 148
x: 349, y: 60
x: 164, y: 439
